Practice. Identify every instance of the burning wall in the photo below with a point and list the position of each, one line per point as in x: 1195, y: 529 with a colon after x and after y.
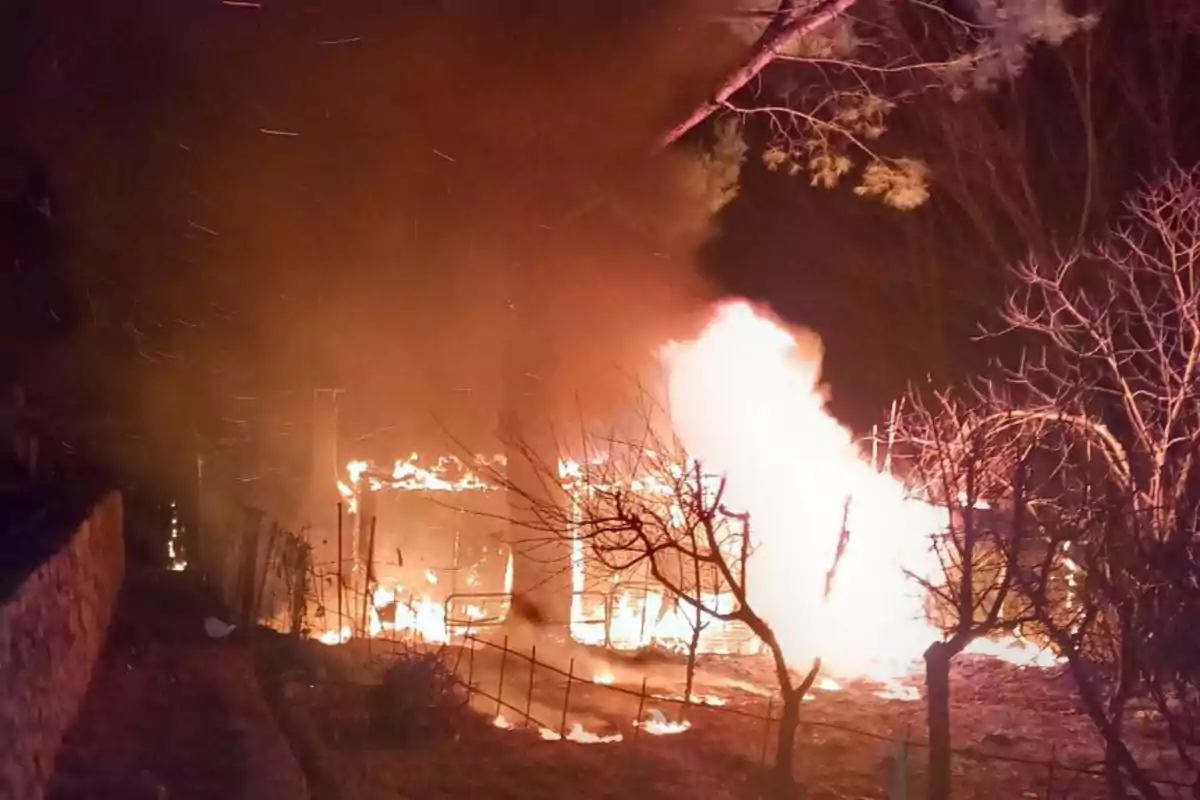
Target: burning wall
x: 422, y: 538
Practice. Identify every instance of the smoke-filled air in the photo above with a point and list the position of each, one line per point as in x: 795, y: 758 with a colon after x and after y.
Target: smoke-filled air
x: 440, y: 176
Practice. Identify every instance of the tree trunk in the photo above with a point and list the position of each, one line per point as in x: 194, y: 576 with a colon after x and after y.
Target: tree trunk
x: 1120, y: 765
x: 693, y: 646
x: 1112, y: 775
x: 785, y: 747
x: 937, y: 681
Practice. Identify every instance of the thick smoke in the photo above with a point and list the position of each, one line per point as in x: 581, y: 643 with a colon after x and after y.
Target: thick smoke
x: 376, y: 195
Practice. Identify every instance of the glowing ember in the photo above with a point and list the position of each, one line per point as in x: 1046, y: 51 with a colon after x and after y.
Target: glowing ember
x: 658, y: 725
x: 355, y: 469
x: 893, y: 691
x: 696, y: 699
x: 639, y: 618
x: 828, y: 685
x: 176, y: 560
x: 578, y: 734
x: 604, y: 679
x: 746, y: 400
x: 1015, y: 650
x: 383, y: 597
x: 502, y: 723
x: 334, y: 636
x: 418, y: 615
x: 348, y: 495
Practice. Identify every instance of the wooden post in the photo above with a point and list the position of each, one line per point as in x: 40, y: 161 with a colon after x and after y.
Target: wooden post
x: 767, y: 730
x: 899, y: 790
x: 412, y: 629
x: 641, y: 708
x: 341, y: 620
x: 300, y: 590
x: 261, y: 578
x: 1050, y: 776
x: 645, y: 604
x: 500, y: 688
x: 367, y: 577
x: 607, y: 620
x: 250, y: 536
x: 470, y: 670
x: 562, y: 728
x: 529, y: 696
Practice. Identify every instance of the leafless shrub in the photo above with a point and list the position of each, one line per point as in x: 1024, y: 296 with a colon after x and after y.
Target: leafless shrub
x: 418, y: 696
x: 1115, y: 388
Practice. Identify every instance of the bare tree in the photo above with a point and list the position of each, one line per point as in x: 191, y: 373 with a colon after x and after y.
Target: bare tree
x: 956, y: 456
x: 1119, y: 326
x: 645, y: 504
x: 1118, y: 378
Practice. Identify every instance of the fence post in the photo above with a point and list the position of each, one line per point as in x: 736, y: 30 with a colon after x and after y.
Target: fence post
x: 638, y: 721
x: 412, y: 629
x: 500, y: 687
x: 300, y: 590
x: 470, y: 668
x: 341, y: 620
x: 767, y: 730
x: 899, y: 790
x: 529, y: 696
x: 261, y: 578
x: 562, y: 728
x: 645, y: 602
x: 367, y: 577
x: 1050, y: 776
x: 250, y: 535
x: 608, y: 621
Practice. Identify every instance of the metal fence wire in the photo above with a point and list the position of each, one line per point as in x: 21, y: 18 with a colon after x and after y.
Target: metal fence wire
x: 267, y: 574
x: 519, y: 669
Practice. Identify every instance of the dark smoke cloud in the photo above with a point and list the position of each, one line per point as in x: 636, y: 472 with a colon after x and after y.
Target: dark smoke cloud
x: 455, y: 166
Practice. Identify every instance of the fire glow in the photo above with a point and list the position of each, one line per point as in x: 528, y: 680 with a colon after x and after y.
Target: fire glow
x: 578, y: 734
x: 746, y: 400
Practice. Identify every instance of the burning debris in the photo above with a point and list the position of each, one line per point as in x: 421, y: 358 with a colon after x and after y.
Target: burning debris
x: 659, y: 725
x: 578, y: 734
x: 176, y: 558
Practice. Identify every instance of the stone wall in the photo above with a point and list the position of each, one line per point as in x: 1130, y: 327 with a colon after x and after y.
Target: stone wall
x: 53, y: 625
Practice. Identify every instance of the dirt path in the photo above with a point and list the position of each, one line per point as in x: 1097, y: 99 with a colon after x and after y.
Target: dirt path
x: 171, y: 713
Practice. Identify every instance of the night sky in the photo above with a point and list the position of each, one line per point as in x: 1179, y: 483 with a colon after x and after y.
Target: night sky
x: 256, y: 201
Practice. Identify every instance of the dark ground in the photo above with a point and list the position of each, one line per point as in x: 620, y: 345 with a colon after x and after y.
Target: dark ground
x: 1008, y: 722
x: 171, y: 713
x: 174, y: 714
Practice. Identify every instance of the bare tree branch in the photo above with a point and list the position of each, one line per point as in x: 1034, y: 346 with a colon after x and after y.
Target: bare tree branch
x: 789, y: 21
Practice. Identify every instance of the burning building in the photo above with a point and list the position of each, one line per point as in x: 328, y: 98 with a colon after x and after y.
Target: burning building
x: 430, y: 544
x: 425, y: 540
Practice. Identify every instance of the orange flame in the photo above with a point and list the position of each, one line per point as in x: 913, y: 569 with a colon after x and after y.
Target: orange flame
x: 746, y: 400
